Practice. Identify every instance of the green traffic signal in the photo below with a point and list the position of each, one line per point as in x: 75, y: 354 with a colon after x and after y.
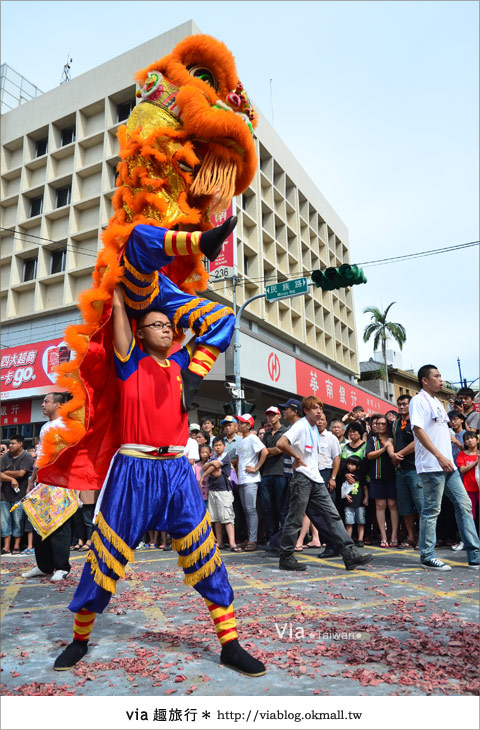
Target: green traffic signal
x: 339, y: 277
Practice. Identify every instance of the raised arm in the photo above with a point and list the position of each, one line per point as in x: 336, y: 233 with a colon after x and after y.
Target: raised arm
x: 122, y: 332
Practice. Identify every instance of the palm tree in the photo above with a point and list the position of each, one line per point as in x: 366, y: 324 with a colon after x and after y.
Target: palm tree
x: 383, y: 330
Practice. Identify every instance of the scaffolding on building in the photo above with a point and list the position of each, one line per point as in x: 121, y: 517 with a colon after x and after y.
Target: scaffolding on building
x: 15, y: 88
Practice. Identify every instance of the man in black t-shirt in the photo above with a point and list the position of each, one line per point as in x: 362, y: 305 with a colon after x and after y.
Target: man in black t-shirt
x: 402, y: 454
x: 16, y: 466
x: 273, y: 482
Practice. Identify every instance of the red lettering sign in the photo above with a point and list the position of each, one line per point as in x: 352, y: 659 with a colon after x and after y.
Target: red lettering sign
x: 29, y: 370
x: 335, y: 392
x: 273, y: 367
x: 17, y: 411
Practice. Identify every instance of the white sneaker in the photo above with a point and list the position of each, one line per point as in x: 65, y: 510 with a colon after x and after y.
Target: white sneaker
x: 458, y: 546
x: 59, y: 575
x: 435, y: 564
x: 34, y: 572
x: 474, y: 566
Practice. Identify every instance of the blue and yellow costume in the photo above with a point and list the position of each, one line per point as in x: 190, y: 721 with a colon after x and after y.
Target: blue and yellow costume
x: 151, y: 485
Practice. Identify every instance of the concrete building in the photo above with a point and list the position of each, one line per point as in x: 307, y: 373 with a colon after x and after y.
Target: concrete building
x: 59, y: 156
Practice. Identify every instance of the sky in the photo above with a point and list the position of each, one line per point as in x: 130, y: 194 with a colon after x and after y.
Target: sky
x: 378, y: 101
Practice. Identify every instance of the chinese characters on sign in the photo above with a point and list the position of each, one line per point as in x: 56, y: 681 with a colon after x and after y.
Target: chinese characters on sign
x: 15, y: 412
x: 30, y: 369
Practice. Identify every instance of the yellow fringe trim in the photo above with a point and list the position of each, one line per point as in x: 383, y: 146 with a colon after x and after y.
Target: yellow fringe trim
x: 186, y: 561
x: 144, y: 304
x: 114, y: 539
x: 133, y: 271
x: 182, y: 543
x: 107, y: 558
x: 200, y: 312
x: 213, y: 318
x: 191, y: 579
x: 140, y: 290
x: 100, y: 579
x: 186, y: 308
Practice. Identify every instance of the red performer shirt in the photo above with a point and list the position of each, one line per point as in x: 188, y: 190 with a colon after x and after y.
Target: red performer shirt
x: 150, y: 398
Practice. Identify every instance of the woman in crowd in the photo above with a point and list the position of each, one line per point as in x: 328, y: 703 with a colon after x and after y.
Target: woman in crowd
x: 382, y: 481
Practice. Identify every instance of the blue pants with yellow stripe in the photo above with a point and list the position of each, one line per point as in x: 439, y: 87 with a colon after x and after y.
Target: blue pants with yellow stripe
x: 143, y: 494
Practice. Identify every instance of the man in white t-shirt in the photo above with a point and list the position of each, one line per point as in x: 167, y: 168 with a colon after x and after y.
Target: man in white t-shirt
x: 302, y: 442
x: 437, y: 472
x: 251, y: 454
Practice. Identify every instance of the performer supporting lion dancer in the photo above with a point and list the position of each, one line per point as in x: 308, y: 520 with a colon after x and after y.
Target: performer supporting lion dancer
x: 185, y: 151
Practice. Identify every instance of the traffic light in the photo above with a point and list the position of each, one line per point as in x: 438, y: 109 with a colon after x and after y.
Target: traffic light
x: 246, y: 407
x: 338, y: 277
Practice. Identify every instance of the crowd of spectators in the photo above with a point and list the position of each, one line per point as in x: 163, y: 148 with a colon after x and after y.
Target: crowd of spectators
x: 367, y: 462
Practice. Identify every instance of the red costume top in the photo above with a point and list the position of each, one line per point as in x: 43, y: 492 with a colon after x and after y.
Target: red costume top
x: 145, y: 388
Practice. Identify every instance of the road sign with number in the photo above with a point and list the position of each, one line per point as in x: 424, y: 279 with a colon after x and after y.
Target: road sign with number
x: 284, y: 289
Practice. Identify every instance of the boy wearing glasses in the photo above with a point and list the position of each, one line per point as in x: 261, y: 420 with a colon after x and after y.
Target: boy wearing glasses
x: 151, y: 486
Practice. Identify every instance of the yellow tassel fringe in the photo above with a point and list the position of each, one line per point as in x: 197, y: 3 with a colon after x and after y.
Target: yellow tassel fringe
x: 140, y: 290
x: 213, y: 318
x: 107, y: 558
x: 200, y: 312
x: 133, y: 271
x: 191, y: 579
x: 185, y: 309
x: 114, y: 539
x: 186, y: 561
x: 182, y: 543
x: 108, y: 584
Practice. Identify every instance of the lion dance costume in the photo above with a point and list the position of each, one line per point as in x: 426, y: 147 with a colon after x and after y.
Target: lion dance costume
x: 186, y: 149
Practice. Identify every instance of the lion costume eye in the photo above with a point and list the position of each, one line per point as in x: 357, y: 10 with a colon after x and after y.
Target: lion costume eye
x: 204, y: 73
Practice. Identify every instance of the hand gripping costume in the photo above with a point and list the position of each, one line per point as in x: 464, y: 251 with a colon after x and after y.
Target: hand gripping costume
x: 186, y: 149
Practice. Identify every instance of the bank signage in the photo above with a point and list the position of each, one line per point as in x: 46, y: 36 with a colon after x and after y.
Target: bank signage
x: 29, y: 370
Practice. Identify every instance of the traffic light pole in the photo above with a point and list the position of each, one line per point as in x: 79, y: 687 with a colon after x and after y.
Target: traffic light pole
x: 237, y: 393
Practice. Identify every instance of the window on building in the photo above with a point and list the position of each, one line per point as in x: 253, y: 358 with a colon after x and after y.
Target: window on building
x: 68, y: 135
x: 64, y: 196
x: 245, y: 265
x: 124, y: 110
x: 57, y: 261
x: 36, y: 205
x: 41, y: 147
x: 29, y: 269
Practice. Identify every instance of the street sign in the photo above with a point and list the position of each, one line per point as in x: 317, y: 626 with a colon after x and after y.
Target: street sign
x: 284, y: 289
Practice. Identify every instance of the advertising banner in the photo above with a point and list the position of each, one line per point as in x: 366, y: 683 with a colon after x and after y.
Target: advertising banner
x: 28, y: 370
x: 335, y: 392
x: 224, y: 265
x: 15, y: 411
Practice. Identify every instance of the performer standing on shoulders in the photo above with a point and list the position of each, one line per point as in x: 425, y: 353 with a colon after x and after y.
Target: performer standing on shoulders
x: 151, y: 486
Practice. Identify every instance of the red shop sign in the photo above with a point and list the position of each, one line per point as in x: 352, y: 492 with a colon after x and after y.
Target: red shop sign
x: 28, y: 370
x: 222, y: 267
x: 335, y: 392
x: 16, y: 411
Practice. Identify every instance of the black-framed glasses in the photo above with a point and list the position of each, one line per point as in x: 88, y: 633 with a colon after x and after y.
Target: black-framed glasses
x: 158, y: 325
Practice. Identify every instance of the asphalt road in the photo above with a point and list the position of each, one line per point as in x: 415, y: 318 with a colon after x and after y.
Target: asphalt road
x: 391, y: 629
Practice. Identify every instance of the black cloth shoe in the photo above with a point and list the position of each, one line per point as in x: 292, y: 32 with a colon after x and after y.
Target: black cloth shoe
x: 328, y: 553
x: 235, y: 657
x: 211, y: 242
x: 191, y: 383
x: 71, y: 655
x: 290, y: 563
x: 352, y: 558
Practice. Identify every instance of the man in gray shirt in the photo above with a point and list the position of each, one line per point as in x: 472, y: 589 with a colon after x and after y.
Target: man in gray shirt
x: 16, y: 466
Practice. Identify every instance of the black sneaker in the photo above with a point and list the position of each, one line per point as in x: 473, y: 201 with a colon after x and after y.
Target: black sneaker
x: 352, y: 558
x: 235, y: 657
x: 71, y: 655
x: 290, y: 563
x: 211, y: 242
x: 328, y: 553
x: 360, y: 543
x: 435, y: 564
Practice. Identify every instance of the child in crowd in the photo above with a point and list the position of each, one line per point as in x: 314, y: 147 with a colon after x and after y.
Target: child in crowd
x: 220, y: 494
x: 205, y: 453
x: 467, y: 462
x: 355, y: 500
x: 457, y: 426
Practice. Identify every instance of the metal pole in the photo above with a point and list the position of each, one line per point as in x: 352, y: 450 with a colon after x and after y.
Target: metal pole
x: 460, y: 371
x: 236, y: 354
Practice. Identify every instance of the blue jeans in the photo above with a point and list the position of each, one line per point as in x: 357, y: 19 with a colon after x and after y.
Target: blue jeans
x: 434, y: 485
x: 13, y: 523
x: 271, y: 500
x: 248, y: 498
x: 409, y: 492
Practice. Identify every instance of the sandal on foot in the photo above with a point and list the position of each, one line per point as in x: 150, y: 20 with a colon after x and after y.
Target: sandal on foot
x: 85, y: 547
x: 71, y: 655
x: 236, y: 549
x: 394, y: 544
x: 384, y: 544
x: 250, y: 547
x: 16, y: 551
x: 298, y: 548
x: 235, y: 657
